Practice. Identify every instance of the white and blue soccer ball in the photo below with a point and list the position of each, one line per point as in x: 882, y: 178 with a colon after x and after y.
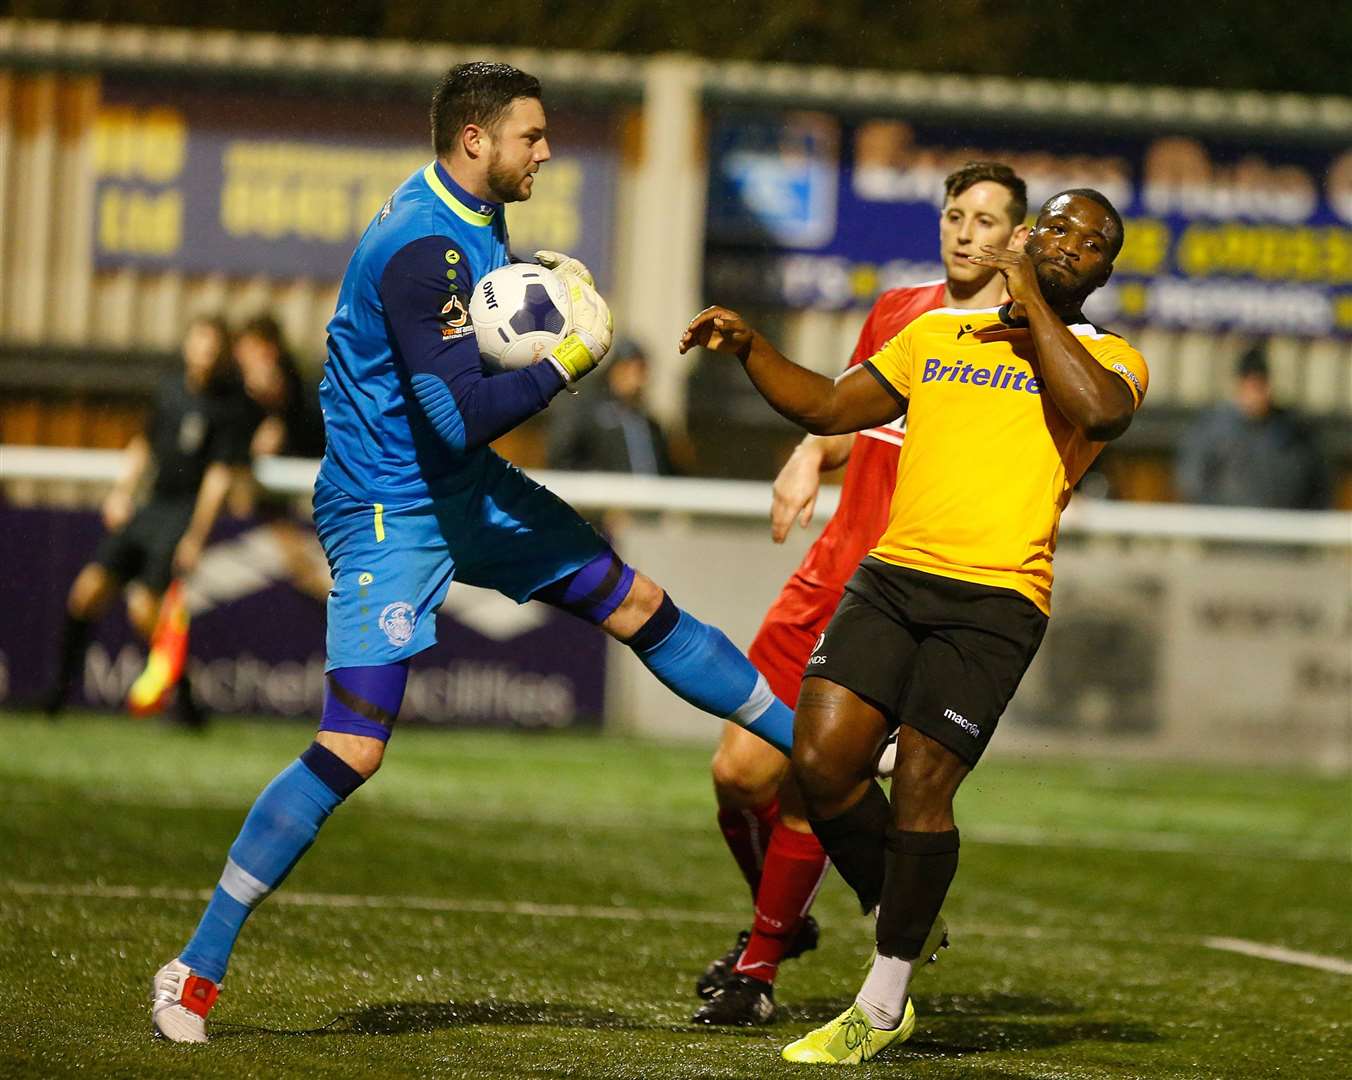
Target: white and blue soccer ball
x: 519, y: 313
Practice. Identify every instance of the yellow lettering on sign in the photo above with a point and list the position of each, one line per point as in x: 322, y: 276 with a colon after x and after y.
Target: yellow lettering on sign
x: 132, y: 222
x: 164, y: 145
x: 140, y: 144
x: 863, y: 281
x: 1133, y: 298
x: 1342, y: 310
x: 1146, y: 249
x: 278, y: 189
x: 1279, y: 253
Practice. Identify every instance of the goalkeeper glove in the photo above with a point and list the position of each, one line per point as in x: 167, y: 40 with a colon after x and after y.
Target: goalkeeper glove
x: 591, y: 330
x: 565, y: 265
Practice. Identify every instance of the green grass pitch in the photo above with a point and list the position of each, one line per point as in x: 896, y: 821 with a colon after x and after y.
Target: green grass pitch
x: 509, y: 906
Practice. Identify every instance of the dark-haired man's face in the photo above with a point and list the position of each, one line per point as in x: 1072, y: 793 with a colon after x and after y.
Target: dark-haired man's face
x: 517, y: 149
x: 977, y: 217
x: 1072, y: 246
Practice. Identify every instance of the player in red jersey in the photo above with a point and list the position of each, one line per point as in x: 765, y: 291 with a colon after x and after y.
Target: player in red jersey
x: 759, y: 812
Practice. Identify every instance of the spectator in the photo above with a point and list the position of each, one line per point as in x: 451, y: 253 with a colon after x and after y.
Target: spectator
x: 292, y: 427
x: 609, y: 430
x: 195, y: 443
x: 1249, y: 452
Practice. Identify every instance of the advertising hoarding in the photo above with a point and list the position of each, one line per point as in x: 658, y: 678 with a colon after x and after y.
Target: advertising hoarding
x: 248, y: 182
x: 809, y: 211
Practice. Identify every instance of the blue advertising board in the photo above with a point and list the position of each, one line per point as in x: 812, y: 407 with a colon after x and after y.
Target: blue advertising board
x: 806, y: 210
x: 247, y: 183
x: 257, y: 642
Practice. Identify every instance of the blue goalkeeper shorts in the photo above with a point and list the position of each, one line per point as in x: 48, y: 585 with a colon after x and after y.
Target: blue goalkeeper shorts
x: 393, y: 562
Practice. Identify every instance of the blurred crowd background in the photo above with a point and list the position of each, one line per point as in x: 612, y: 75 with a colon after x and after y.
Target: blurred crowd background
x: 784, y: 158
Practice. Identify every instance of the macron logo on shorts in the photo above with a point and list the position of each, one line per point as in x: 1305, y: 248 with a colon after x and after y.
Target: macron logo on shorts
x: 963, y: 723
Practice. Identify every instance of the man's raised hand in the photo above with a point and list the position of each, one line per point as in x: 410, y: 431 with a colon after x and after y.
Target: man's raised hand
x: 719, y: 329
x: 1017, y: 269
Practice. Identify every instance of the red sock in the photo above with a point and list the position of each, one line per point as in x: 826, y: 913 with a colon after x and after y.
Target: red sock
x: 747, y: 833
x: 793, y: 871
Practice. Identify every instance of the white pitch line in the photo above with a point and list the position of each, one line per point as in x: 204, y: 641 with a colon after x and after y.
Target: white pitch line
x: 1279, y: 954
x: 618, y: 913
x: 999, y: 835
x: 410, y: 903
x: 1169, y: 843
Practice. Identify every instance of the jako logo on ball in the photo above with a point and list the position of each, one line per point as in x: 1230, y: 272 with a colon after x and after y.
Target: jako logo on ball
x: 519, y: 312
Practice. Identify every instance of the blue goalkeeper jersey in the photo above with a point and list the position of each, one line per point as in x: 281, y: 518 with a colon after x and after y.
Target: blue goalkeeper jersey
x: 408, y: 409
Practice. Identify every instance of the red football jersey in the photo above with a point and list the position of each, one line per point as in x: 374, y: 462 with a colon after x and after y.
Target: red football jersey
x: 871, y: 473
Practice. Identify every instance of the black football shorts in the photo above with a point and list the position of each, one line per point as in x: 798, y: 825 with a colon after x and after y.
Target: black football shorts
x: 938, y: 654
x: 143, y: 549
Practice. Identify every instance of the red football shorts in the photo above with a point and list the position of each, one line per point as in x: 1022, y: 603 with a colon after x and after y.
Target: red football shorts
x: 790, y: 630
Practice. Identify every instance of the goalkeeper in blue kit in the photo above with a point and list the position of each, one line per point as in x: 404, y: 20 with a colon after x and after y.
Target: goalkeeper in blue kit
x: 409, y: 497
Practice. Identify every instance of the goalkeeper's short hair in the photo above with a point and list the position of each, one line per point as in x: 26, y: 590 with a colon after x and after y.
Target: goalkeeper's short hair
x: 479, y: 92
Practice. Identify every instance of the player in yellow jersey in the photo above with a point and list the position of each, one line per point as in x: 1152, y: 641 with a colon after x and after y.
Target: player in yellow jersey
x: 1005, y: 408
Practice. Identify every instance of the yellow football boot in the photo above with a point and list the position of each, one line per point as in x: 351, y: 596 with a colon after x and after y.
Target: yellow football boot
x: 167, y: 658
x: 849, y: 1039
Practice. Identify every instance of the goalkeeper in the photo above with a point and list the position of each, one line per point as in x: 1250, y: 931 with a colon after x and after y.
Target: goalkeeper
x: 409, y: 497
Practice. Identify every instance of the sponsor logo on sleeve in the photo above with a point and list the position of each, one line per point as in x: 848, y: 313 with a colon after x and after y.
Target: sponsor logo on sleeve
x: 1130, y: 376
x: 455, y: 319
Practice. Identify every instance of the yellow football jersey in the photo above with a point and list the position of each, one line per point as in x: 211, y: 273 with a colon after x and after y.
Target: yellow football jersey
x: 989, y: 462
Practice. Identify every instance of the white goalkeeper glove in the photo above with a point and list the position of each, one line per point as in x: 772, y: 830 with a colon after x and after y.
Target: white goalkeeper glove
x: 592, y: 329
x: 565, y: 265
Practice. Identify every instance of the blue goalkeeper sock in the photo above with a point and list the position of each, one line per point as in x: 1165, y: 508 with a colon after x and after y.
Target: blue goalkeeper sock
x: 699, y: 663
x: 279, y: 829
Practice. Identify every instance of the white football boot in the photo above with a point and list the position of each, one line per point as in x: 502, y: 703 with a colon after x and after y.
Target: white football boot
x: 179, y: 1001
x: 887, y: 758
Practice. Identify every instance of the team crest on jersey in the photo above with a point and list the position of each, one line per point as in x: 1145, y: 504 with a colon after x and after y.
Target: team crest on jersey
x: 455, y: 319
x: 396, y: 623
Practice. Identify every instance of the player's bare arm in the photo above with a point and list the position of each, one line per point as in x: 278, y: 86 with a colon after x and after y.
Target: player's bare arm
x: 853, y: 402
x: 1088, y: 395
x: 799, y: 481
x: 211, y: 495
x: 1068, y: 255
x: 121, y: 499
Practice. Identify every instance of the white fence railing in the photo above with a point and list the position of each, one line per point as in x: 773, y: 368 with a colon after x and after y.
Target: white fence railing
x: 743, y: 499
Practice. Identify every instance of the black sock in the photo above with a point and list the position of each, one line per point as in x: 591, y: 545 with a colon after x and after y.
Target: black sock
x: 855, y: 841
x: 186, y: 708
x: 920, y: 868
x: 74, y: 644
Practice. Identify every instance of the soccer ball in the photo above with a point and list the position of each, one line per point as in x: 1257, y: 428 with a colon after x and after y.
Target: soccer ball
x: 519, y: 313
